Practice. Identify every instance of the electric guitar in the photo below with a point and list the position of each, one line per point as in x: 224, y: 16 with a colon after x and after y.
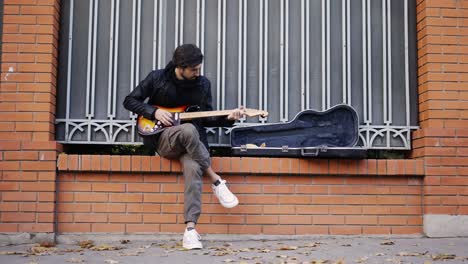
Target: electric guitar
x: 147, y: 127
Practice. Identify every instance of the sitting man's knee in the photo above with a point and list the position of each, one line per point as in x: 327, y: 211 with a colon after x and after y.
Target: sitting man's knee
x: 189, y: 130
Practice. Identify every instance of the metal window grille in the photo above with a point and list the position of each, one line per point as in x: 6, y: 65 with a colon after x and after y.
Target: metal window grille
x: 282, y: 56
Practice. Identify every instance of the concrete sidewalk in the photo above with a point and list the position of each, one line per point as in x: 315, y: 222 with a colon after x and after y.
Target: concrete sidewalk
x: 246, y: 249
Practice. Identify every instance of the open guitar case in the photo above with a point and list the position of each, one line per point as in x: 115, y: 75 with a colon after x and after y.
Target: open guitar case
x: 333, y: 133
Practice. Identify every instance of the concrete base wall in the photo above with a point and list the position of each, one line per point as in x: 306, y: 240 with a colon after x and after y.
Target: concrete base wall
x: 446, y: 225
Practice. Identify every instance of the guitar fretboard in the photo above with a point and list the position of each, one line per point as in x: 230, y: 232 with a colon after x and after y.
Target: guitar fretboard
x: 192, y: 115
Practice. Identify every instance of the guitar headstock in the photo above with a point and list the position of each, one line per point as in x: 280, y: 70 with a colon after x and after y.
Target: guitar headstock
x: 255, y: 112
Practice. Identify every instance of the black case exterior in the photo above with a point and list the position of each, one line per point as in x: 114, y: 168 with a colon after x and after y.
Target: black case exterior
x: 329, y: 134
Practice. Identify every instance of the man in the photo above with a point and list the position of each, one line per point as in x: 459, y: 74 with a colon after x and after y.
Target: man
x: 180, y: 84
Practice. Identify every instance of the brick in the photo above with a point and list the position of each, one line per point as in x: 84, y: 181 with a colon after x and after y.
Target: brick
x: 311, y: 189
x: 17, y: 217
x: 19, y: 196
x: 74, y: 186
x: 108, y: 187
x: 145, y: 208
x: 6, y: 227
x: 278, y: 209
x: 38, y: 186
x: 279, y: 230
x: 278, y: 189
x: 144, y: 187
x: 262, y: 179
x: 294, y: 199
x: 74, y: 208
x: 142, y: 228
x: 376, y: 230
x: 92, y: 197
x: 312, y: 209
x: 361, y: 220
x: 212, y: 229
x: 345, y: 230
x: 345, y: 209
x: 258, y: 199
x: 125, y: 218
x: 125, y: 197
x: 108, y: 207
x: 36, y: 228
x: 9, y: 186
x: 74, y: 227
x: 107, y: 228
x: 402, y: 230
x: 311, y: 229
x: 245, y: 229
x: 227, y: 219
x: 90, y: 218
x: 262, y: 219
x: 295, y: 219
x: 328, y: 220
x: 105, y: 162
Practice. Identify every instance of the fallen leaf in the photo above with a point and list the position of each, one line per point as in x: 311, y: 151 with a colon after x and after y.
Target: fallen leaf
x: 227, y: 244
x: 12, y: 252
x: 319, y: 261
x: 412, y: 254
x: 220, y: 253
x: 105, y: 247
x: 282, y: 256
x: 245, y: 250
x: 387, y: 243
x: 340, y: 261
x: 288, y: 248
x: 346, y: 245
x: 74, y: 260
x: 111, y: 261
x: 427, y: 262
x: 86, y: 244
x: 129, y: 254
x: 66, y: 250
x: 380, y: 254
x: 443, y: 256
x: 47, y: 244
x: 362, y: 260
x: 264, y: 250
x: 228, y: 260
x: 38, y: 250
x: 315, y: 244
x: 124, y: 241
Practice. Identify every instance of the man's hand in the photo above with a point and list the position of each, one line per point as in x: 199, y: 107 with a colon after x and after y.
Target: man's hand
x: 164, y: 116
x: 237, y: 113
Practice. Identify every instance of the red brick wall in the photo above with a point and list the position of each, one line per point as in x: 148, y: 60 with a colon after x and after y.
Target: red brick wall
x: 28, y: 152
x: 443, y: 93
x: 277, y: 196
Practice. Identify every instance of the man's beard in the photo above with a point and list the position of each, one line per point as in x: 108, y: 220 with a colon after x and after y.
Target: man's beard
x: 194, y: 78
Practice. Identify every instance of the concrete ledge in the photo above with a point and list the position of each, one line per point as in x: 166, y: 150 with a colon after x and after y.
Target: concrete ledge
x: 25, y: 238
x: 446, y: 225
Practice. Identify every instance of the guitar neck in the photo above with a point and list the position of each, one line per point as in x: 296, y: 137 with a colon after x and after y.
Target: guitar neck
x: 192, y: 115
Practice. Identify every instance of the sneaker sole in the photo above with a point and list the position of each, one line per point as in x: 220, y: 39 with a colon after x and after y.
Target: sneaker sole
x: 231, y: 205
x: 190, y: 248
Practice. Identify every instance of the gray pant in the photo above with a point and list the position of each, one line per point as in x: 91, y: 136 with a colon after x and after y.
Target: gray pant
x: 183, y: 143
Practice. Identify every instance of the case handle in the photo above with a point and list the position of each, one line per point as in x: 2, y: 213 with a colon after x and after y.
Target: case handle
x: 307, y: 153
x: 315, y: 151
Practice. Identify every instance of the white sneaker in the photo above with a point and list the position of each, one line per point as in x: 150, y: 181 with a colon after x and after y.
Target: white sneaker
x: 192, y: 240
x: 225, y: 196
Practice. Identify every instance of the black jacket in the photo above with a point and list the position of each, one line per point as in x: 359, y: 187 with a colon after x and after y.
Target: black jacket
x: 163, y: 90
